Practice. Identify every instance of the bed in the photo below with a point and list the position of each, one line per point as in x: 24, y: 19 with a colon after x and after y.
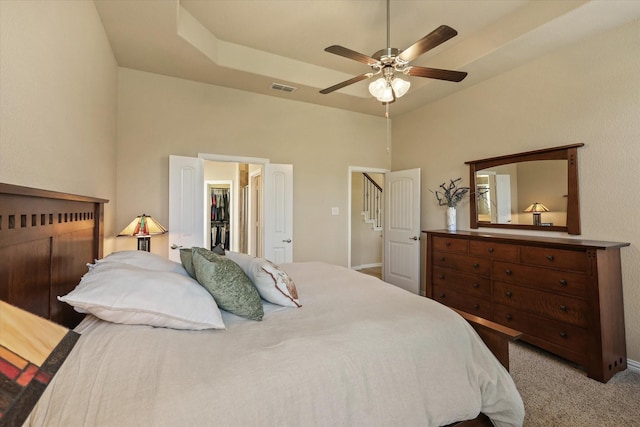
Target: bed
x: 357, y: 352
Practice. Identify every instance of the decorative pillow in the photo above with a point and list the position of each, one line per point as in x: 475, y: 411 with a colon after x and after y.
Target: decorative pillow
x: 123, y: 293
x: 186, y: 257
x: 187, y: 264
x: 228, y: 284
x: 273, y: 284
x: 143, y: 259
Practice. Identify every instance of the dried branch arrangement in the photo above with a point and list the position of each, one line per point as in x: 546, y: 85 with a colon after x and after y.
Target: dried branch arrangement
x: 450, y: 194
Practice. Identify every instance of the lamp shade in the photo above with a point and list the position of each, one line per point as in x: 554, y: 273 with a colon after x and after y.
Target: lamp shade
x: 377, y: 87
x: 143, y: 225
x: 400, y: 87
x: 536, y: 207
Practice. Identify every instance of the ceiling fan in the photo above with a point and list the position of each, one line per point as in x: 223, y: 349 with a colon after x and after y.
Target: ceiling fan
x: 391, y: 61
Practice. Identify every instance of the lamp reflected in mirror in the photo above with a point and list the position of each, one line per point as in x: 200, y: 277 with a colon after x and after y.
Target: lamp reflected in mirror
x: 537, y: 209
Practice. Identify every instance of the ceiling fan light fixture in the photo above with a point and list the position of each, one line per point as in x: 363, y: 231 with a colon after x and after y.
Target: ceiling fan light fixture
x: 400, y: 87
x: 393, y: 60
x: 387, y: 94
x: 377, y: 87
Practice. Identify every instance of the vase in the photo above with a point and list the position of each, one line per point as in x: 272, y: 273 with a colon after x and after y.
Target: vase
x: 451, y: 218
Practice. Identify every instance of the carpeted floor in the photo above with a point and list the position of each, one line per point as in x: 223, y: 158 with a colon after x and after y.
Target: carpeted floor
x: 558, y: 394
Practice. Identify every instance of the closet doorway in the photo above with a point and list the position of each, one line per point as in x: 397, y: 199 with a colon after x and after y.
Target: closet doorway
x: 233, y: 205
x: 190, y: 221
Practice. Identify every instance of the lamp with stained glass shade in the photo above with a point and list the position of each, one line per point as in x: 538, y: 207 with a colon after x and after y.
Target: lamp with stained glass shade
x: 143, y: 227
x: 536, y: 208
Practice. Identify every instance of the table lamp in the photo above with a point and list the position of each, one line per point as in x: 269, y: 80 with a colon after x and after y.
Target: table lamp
x: 143, y: 227
x: 537, y: 208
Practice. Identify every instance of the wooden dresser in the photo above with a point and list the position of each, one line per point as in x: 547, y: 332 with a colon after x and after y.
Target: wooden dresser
x: 565, y: 295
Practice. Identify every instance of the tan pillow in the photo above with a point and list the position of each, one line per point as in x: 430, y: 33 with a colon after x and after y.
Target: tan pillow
x: 273, y: 284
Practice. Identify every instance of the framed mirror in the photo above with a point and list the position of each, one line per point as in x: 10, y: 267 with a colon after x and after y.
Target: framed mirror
x: 535, y: 190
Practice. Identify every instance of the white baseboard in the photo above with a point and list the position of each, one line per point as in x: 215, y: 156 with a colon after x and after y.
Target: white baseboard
x: 363, y: 266
x: 633, y: 365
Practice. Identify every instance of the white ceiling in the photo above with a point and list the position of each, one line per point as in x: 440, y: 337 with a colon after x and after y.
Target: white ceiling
x: 250, y: 44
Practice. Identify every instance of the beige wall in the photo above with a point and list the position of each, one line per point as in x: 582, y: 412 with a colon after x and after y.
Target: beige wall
x: 58, y: 87
x: 589, y: 93
x: 159, y: 116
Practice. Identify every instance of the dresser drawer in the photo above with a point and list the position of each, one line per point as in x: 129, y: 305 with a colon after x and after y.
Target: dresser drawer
x: 469, y: 284
x: 463, y: 263
x: 470, y: 304
x: 554, y: 258
x: 493, y: 250
x: 565, y: 282
x: 559, y: 333
x: 450, y: 245
x: 559, y: 307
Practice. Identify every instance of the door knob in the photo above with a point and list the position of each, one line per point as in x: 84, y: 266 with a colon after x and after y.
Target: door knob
x: 174, y: 246
x: 413, y: 238
x: 287, y: 241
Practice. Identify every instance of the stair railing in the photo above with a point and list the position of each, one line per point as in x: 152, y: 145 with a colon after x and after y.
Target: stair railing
x: 372, y: 200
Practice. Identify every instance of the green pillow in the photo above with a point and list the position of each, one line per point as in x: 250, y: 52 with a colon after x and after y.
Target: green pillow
x: 227, y: 283
x: 186, y: 257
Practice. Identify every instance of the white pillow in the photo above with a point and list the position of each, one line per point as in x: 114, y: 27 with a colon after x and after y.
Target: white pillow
x: 273, y: 284
x: 143, y: 259
x: 123, y: 293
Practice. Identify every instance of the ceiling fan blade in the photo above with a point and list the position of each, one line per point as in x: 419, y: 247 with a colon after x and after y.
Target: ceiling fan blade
x: 436, y: 73
x: 351, y: 54
x: 353, y: 80
x: 428, y: 42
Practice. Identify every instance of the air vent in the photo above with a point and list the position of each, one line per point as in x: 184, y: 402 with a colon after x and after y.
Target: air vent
x: 284, y: 88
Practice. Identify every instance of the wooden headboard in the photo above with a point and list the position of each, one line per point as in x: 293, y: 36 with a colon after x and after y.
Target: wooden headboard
x: 46, y: 240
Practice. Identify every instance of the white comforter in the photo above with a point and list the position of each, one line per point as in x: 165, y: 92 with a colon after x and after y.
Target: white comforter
x: 358, y: 353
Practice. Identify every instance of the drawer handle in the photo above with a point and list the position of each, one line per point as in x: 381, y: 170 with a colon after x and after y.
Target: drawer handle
x: 508, y: 317
x: 441, y: 258
x: 475, y: 285
x: 508, y: 294
x: 442, y: 277
x: 550, y: 257
x: 563, y: 334
x: 564, y: 308
x: 476, y: 306
x: 563, y: 282
x: 476, y: 265
x: 447, y: 243
x: 490, y: 250
x: 508, y: 272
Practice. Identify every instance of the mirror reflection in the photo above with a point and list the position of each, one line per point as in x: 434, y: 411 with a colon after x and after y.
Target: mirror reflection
x: 523, y: 193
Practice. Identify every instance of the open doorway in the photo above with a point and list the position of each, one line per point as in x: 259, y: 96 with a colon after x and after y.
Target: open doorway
x: 233, y: 206
x: 189, y: 219
x: 366, y: 224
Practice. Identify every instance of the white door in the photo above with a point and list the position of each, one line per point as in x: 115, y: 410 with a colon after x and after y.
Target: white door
x: 186, y: 204
x: 503, y: 198
x: 402, y: 229
x: 278, y: 213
